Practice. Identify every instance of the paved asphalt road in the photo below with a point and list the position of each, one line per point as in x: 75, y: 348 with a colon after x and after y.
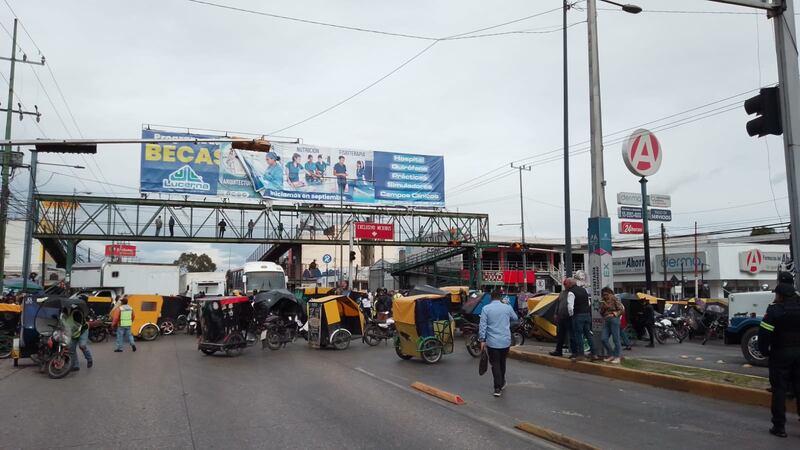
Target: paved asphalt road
x: 168, y: 395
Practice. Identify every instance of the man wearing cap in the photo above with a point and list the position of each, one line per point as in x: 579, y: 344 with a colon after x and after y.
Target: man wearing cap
x: 273, y: 177
x: 779, y: 339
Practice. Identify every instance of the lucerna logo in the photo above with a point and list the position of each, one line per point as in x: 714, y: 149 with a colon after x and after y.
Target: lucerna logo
x: 755, y: 261
x: 186, y: 178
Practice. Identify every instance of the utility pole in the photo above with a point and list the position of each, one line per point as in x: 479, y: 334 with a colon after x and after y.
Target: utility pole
x: 30, y: 221
x: 522, y: 225
x: 789, y: 81
x: 7, y: 158
x: 599, y: 273
x: 567, y: 211
x: 695, y: 260
x: 664, y: 255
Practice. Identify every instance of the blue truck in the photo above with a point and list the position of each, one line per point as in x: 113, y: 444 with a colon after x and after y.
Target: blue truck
x: 745, y: 310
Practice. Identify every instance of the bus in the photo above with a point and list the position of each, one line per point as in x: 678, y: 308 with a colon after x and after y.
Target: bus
x: 256, y: 276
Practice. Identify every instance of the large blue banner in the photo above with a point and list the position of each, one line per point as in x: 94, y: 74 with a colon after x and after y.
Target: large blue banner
x: 293, y: 172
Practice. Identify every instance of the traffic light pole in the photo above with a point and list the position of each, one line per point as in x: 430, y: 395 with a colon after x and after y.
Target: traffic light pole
x: 789, y: 81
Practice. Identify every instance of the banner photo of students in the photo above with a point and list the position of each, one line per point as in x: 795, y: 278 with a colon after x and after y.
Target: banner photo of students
x: 315, y: 174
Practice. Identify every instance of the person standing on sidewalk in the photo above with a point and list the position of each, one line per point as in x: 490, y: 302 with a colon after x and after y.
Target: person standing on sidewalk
x: 779, y: 339
x: 579, y: 306
x: 563, y: 320
x: 494, y: 333
x: 611, y: 309
x: 122, y: 319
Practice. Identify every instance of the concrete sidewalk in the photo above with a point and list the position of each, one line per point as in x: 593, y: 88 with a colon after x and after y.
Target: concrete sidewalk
x: 685, y: 354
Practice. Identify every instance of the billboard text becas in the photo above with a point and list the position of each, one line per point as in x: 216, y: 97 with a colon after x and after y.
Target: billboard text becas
x: 293, y: 172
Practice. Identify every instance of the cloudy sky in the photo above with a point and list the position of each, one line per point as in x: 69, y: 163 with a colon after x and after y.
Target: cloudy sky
x: 680, y: 68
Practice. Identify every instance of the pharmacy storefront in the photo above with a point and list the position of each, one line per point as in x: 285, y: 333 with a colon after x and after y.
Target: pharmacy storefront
x: 719, y: 268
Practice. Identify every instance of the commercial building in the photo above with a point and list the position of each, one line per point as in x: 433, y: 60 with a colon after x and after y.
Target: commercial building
x: 720, y: 267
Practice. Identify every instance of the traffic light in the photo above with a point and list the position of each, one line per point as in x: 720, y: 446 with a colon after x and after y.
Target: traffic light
x: 767, y: 106
x: 352, y: 256
x: 516, y: 246
x: 454, y: 243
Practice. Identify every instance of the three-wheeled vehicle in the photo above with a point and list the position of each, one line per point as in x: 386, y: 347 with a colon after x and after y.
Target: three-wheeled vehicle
x: 277, y: 313
x: 334, y: 320
x: 45, y: 335
x: 224, y: 324
x: 174, y: 312
x: 424, y: 327
x: 146, y: 312
x: 9, y: 327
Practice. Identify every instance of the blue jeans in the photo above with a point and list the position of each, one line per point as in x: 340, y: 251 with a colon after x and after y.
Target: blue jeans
x: 582, y: 327
x: 83, y: 343
x: 626, y: 341
x: 611, y: 329
x: 121, y: 333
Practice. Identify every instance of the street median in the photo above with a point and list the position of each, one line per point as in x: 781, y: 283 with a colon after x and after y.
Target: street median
x: 717, y: 391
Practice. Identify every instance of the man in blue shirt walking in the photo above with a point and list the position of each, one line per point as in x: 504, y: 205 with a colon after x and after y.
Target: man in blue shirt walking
x: 495, y: 336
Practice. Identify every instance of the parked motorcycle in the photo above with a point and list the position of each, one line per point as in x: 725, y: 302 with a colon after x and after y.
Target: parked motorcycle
x: 664, y: 330
x: 716, y: 329
x: 192, y: 320
x: 377, y: 331
x: 278, y: 332
x: 99, y: 328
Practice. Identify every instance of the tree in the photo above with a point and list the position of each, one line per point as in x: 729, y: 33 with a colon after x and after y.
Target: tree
x: 193, y: 262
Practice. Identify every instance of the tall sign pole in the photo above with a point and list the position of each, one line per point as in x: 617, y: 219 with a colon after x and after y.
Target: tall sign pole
x: 642, y: 154
x: 567, y: 212
x: 599, y: 232
x: 789, y: 81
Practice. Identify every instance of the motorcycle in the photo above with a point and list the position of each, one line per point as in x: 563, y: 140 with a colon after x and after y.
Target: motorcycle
x: 191, y: 320
x: 99, y: 329
x: 715, y: 329
x: 54, y: 356
x: 377, y: 331
x: 470, y: 332
x: 665, y: 329
x: 278, y: 332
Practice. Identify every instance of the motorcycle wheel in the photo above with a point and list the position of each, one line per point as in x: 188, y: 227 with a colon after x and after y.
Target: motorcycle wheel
x: 59, y: 366
x: 234, y: 345
x: 517, y: 338
x: 661, y: 336
x: 98, y: 335
x: 681, y: 333
x: 181, y: 323
x: 473, y: 345
x: 370, y: 336
x: 272, y: 341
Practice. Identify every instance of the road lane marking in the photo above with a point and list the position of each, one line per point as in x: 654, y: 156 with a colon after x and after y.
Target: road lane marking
x: 538, y: 442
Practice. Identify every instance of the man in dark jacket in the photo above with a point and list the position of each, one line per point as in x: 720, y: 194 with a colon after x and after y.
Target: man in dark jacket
x: 779, y: 339
x: 579, y: 306
x: 563, y: 321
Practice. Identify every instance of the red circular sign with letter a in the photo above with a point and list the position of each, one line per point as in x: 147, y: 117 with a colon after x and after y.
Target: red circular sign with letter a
x: 642, y: 153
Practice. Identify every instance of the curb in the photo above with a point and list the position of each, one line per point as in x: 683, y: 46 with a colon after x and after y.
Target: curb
x: 436, y: 392
x: 735, y: 394
x: 552, y: 436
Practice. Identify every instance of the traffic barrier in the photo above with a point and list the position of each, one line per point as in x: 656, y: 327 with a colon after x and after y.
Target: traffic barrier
x: 552, y: 436
x: 436, y: 392
x: 726, y: 392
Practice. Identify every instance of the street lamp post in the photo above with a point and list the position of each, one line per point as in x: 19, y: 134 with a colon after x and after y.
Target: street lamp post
x: 599, y: 245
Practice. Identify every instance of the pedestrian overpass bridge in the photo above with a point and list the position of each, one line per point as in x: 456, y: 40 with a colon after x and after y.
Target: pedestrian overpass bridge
x: 65, y: 220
